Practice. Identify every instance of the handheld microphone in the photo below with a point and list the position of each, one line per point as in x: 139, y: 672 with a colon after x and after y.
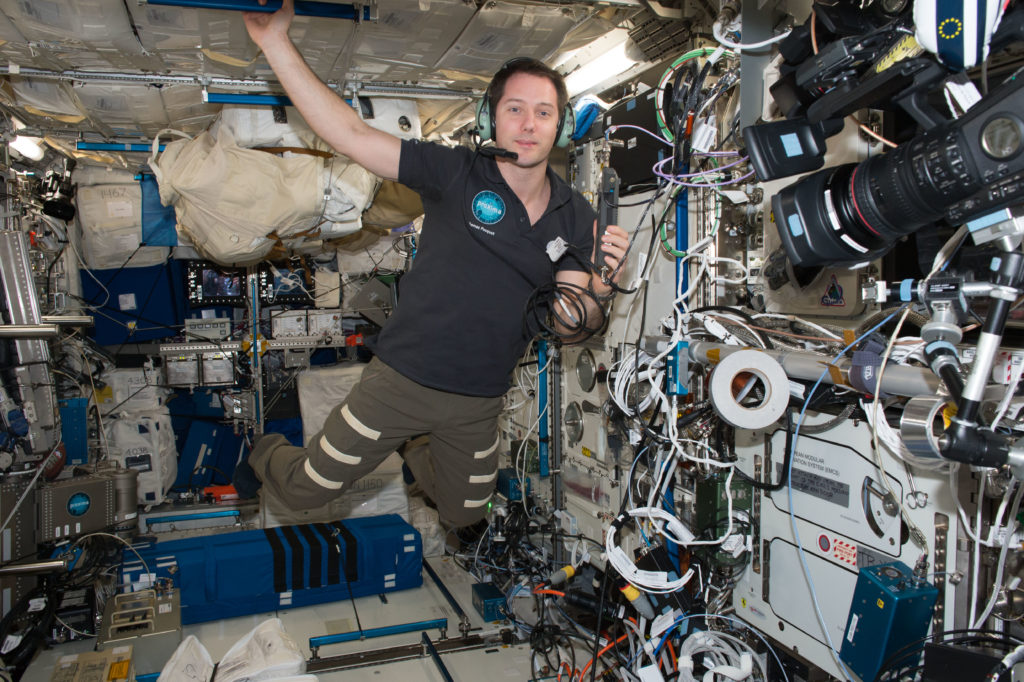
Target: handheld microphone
x: 607, y: 214
x: 497, y: 151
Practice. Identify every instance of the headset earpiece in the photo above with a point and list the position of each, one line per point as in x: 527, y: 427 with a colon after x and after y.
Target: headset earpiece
x: 566, y: 127
x: 485, y: 117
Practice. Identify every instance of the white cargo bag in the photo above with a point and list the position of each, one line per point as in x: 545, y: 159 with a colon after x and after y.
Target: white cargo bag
x: 144, y: 441
x: 257, y: 126
x: 85, y: 175
x: 131, y: 390
x: 321, y: 391
x: 234, y: 203
x: 427, y: 521
x: 111, y: 220
x: 267, y: 652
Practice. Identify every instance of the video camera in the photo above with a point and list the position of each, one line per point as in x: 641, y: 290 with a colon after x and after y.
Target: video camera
x: 951, y: 169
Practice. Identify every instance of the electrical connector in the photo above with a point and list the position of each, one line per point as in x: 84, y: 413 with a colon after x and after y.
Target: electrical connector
x: 639, y: 601
x: 562, y: 576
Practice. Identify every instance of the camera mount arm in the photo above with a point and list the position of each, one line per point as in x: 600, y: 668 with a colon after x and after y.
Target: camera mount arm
x: 966, y: 440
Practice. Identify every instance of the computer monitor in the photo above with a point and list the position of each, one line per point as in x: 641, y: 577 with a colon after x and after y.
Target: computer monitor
x: 209, y: 284
x: 288, y: 284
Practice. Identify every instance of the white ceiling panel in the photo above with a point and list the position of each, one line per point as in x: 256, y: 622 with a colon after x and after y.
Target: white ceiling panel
x: 186, y: 109
x: 202, y: 41
x: 94, y: 34
x: 501, y: 30
x: 104, y: 57
x: 407, y: 43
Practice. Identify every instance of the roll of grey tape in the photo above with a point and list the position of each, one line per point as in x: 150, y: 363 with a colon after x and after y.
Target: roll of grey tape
x: 917, y: 425
x: 752, y: 415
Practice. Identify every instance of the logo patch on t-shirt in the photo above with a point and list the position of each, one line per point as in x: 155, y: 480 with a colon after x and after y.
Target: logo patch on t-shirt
x: 488, y: 207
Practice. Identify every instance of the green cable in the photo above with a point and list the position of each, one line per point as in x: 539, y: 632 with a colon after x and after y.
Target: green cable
x: 668, y: 247
x: 714, y: 230
x: 679, y: 61
x: 663, y: 230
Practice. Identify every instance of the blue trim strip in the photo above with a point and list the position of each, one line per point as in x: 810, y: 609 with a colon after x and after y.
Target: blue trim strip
x: 192, y: 517
x: 252, y: 100
x: 306, y: 8
x: 241, y: 98
x: 432, y: 650
x: 543, y: 432
x: 445, y: 592
x: 683, y: 235
x: 979, y: 36
x: 114, y: 147
x: 324, y: 640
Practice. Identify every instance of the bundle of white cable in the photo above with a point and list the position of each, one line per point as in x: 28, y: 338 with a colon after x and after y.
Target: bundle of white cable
x: 665, y: 524
x: 719, y: 32
x: 526, y: 382
x: 909, y: 348
x: 807, y: 323
x: 707, y: 261
x: 724, y: 656
x: 1011, y: 527
x: 713, y: 326
x: 893, y: 441
x: 287, y: 281
x: 1004, y: 404
x: 625, y: 376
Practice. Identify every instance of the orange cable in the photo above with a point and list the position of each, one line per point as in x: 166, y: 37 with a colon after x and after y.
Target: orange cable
x: 814, y: 32
x: 600, y: 653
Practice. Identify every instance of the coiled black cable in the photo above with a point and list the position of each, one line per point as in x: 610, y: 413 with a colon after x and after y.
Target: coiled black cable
x: 558, y: 310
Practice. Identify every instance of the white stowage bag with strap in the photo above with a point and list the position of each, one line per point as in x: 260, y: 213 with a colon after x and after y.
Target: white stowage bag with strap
x: 266, y: 652
x: 235, y: 203
x: 144, y: 441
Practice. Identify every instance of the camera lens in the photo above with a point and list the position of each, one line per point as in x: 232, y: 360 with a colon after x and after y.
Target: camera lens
x: 852, y: 214
x: 818, y: 220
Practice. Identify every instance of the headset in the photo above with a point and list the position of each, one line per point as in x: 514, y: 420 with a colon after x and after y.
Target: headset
x: 485, y: 112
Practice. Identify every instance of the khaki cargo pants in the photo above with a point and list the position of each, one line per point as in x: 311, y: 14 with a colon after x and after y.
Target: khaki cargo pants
x: 384, y: 410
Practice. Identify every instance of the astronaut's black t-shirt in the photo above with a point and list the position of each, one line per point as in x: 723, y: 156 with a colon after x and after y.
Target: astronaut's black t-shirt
x: 458, y: 326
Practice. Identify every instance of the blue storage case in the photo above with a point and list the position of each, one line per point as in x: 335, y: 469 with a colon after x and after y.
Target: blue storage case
x: 890, y: 610
x: 256, y: 571
x: 211, y: 448
x: 74, y: 429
